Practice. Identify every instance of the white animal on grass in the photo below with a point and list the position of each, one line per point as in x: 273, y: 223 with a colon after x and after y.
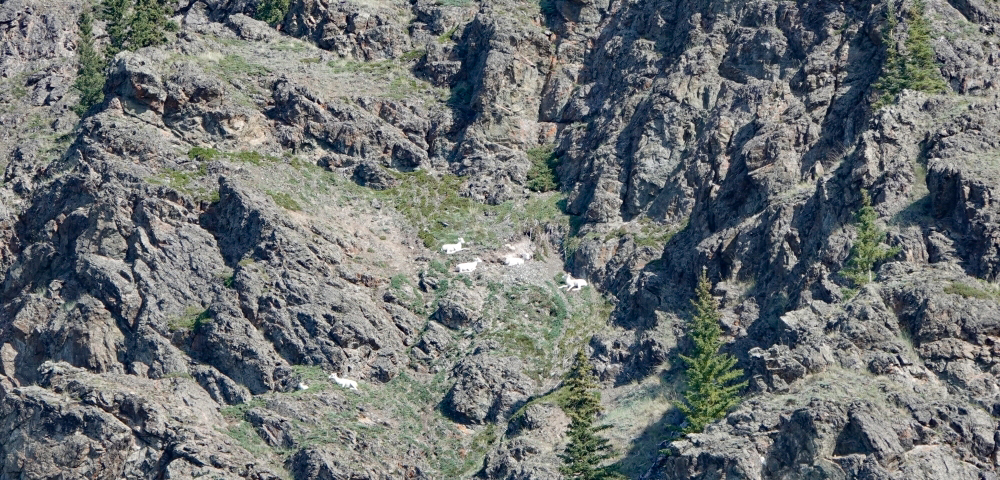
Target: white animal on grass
x: 468, y: 267
x: 573, y: 283
x: 344, y: 382
x: 450, y: 248
x: 303, y: 386
x: 513, y: 260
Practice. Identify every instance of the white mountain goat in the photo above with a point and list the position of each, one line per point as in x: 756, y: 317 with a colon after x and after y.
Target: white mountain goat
x: 450, y: 248
x: 344, y: 382
x: 513, y: 260
x: 468, y: 267
x: 573, y: 283
x: 303, y: 386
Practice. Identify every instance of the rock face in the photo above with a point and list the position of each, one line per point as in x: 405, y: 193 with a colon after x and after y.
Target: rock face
x: 486, y: 389
x: 535, y: 437
x: 254, y: 207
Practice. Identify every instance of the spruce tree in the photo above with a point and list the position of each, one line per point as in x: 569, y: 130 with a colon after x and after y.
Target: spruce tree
x: 90, y: 76
x: 892, y: 80
x: 922, y: 71
x: 117, y: 14
x: 710, y: 390
x: 914, y: 66
x: 148, y: 25
x: 867, y: 250
x: 586, y: 449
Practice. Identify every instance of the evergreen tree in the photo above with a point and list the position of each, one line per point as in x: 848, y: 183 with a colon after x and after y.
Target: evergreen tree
x: 915, y: 66
x: 117, y: 14
x: 90, y: 76
x: 586, y: 450
x: 867, y: 250
x: 710, y: 392
x: 148, y: 25
x: 134, y: 24
x: 892, y: 81
x: 922, y: 72
x: 272, y: 11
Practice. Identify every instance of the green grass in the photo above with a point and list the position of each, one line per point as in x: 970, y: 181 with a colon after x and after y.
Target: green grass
x: 238, y: 410
x: 970, y: 291
x: 203, y: 154
x: 447, y: 36
x: 383, y: 67
x: 410, y: 295
x: 181, y: 181
x: 255, y: 158
x: 412, y: 55
x: 417, y: 425
x: 246, y: 436
x: 232, y: 65
x: 440, y: 215
x: 542, y: 325
x: 285, y: 201
x: 655, y: 235
x: 192, y: 319
x: 19, y: 91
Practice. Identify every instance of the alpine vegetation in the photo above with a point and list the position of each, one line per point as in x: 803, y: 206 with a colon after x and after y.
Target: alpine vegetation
x: 586, y: 449
x: 868, y: 250
x: 710, y: 389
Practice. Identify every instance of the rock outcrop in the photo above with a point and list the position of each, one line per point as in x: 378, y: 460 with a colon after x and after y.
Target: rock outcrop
x: 255, y: 206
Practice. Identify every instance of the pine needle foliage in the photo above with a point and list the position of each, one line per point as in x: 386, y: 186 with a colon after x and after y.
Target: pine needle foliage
x: 134, y: 24
x: 921, y: 67
x: 710, y: 389
x: 149, y: 24
x: 586, y: 449
x: 867, y: 251
x: 272, y: 11
x: 914, y: 66
x: 118, y: 15
x: 90, y: 75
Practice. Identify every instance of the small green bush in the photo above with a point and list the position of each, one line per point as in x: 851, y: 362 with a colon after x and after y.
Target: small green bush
x: 542, y: 175
x: 447, y: 36
x: 272, y: 11
x: 203, y: 154
x: 193, y: 319
x: 414, y: 54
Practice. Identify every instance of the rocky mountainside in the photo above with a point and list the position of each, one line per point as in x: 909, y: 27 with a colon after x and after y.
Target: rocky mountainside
x: 254, y: 206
